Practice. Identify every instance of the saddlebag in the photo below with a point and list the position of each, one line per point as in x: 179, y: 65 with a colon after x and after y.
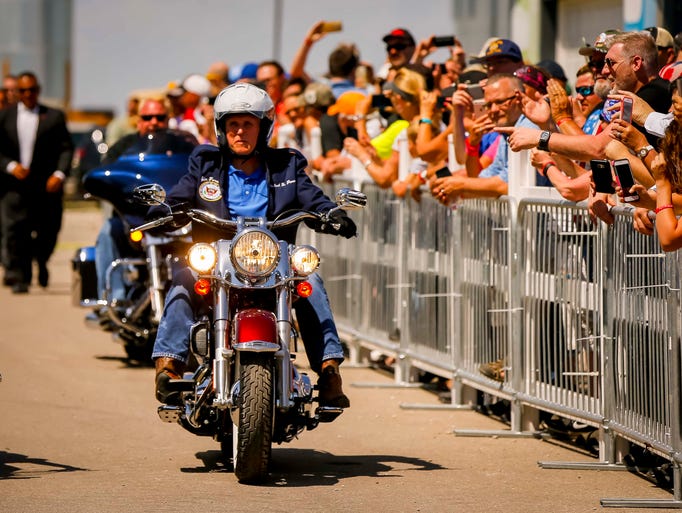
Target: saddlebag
x: 84, y: 277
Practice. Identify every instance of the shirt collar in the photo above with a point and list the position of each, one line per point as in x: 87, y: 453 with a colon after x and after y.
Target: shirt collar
x: 22, y: 108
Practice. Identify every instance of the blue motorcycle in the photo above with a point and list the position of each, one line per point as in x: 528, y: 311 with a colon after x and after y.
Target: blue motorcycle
x: 146, y: 264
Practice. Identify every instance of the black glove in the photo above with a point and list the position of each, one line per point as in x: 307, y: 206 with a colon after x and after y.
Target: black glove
x: 346, y: 226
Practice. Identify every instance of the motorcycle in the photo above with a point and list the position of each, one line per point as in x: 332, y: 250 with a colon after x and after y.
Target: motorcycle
x: 246, y: 391
x: 147, y: 265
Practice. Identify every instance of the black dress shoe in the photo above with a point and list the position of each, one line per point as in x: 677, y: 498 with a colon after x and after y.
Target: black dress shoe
x: 20, y: 288
x: 43, y: 275
x: 9, y: 279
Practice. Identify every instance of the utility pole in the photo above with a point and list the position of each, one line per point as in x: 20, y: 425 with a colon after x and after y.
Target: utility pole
x: 277, y: 30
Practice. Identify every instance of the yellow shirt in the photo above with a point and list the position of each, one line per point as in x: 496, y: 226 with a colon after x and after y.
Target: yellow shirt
x: 383, y: 142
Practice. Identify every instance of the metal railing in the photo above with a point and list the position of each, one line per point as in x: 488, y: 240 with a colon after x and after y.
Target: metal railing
x: 574, y: 318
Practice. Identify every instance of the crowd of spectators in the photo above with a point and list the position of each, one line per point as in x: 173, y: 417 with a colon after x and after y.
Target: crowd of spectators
x: 358, y: 116
x: 394, y: 121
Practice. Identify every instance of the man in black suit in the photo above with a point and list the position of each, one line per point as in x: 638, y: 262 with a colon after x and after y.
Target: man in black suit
x: 35, y: 155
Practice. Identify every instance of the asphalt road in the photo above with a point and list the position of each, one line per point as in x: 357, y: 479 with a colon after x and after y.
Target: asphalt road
x: 79, y: 434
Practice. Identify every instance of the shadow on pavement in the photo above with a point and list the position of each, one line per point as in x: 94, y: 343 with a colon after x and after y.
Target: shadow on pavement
x: 308, y: 467
x: 20, y: 466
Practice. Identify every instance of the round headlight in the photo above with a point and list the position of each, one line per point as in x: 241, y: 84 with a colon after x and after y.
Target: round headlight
x: 201, y: 257
x: 255, y: 253
x: 305, y: 260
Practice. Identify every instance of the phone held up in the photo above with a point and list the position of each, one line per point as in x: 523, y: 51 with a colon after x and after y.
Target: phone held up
x: 625, y: 179
x: 440, y: 41
x: 626, y: 109
x: 380, y: 101
x: 443, y: 172
x: 601, y: 174
x: 331, y: 26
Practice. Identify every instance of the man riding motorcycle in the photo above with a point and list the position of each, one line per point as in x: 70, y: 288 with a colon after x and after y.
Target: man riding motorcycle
x: 243, y: 176
x: 112, y: 240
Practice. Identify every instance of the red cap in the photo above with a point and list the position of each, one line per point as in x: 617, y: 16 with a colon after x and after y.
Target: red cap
x: 401, y: 34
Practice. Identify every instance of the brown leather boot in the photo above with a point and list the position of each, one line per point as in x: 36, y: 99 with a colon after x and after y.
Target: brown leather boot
x: 330, y: 386
x: 166, y: 369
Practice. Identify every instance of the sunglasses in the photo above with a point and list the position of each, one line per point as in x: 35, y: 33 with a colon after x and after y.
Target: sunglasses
x: 23, y: 90
x: 396, y: 46
x: 149, y: 117
x: 584, y: 90
x: 611, y: 63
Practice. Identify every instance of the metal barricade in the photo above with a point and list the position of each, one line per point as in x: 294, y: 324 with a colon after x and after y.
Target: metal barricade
x: 561, y: 298
x: 640, y: 328
x: 582, y: 319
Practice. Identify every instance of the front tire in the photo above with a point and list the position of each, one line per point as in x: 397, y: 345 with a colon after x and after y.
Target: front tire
x: 256, y: 414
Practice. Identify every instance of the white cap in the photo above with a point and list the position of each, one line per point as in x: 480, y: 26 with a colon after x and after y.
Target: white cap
x: 197, y: 84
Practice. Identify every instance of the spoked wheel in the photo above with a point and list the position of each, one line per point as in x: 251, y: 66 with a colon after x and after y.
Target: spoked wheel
x: 252, y: 445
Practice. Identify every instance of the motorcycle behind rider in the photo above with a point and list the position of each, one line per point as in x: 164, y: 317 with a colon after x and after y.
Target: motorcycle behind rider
x: 112, y: 240
x: 244, y: 176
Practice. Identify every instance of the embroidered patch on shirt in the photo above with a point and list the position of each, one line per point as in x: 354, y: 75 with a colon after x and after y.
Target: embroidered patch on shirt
x: 210, y: 190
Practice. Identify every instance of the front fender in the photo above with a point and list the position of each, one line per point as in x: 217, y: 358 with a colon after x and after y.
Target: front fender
x: 255, y: 330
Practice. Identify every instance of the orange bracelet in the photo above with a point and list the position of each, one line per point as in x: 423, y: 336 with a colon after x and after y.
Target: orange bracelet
x: 562, y: 120
x: 662, y: 207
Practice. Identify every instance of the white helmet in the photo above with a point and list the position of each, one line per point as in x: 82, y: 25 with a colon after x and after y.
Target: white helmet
x: 244, y: 98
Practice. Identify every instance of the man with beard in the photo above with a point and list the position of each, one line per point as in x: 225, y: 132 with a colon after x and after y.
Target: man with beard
x: 629, y: 65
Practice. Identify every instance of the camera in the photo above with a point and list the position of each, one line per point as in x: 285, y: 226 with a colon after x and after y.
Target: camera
x: 440, y: 41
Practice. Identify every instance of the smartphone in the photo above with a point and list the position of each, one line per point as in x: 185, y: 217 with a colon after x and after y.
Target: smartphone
x: 443, y: 41
x: 380, y: 100
x: 479, y: 108
x: 443, y: 172
x: 449, y: 91
x: 602, y: 177
x: 678, y: 83
x: 626, y: 109
x: 331, y: 26
x: 440, y: 101
x: 625, y: 179
x: 476, y: 91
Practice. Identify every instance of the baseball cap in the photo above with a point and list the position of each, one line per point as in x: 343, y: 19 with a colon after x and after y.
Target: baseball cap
x: 318, y: 95
x: 197, y: 84
x: 399, y: 34
x: 600, y: 44
x: 671, y: 72
x: 346, y: 103
x: 173, y: 89
x: 500, y: 48
x: 553, y: 68
x: 663, y: 38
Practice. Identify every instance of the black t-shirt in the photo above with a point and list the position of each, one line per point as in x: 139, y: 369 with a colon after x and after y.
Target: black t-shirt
x: 332, y: 136
x: 658, y: 95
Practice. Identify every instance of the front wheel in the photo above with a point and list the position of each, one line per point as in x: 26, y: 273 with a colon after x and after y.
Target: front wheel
x: 256, y: 413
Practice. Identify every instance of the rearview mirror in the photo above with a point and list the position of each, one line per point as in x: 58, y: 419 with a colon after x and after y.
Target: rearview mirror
x: 150, y: 194
x: 350, y: 199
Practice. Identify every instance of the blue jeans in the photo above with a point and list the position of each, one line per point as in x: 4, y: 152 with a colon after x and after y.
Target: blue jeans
x: 110, y: 240
x: 315, y: 320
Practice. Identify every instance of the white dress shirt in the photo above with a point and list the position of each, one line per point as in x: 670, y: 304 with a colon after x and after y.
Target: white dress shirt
x: 27, y: 128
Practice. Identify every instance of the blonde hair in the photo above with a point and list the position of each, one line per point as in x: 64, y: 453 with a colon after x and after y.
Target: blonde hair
x: 410, y: 82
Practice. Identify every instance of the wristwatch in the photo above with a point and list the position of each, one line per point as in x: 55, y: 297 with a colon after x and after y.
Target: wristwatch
x: 543, y: 144
x: 644, y: 151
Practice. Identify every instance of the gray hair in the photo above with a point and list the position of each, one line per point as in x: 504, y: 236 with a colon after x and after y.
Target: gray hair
x: 640, y: 44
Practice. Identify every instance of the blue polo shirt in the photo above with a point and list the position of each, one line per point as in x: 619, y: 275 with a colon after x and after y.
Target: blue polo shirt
x: 248, y: 194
